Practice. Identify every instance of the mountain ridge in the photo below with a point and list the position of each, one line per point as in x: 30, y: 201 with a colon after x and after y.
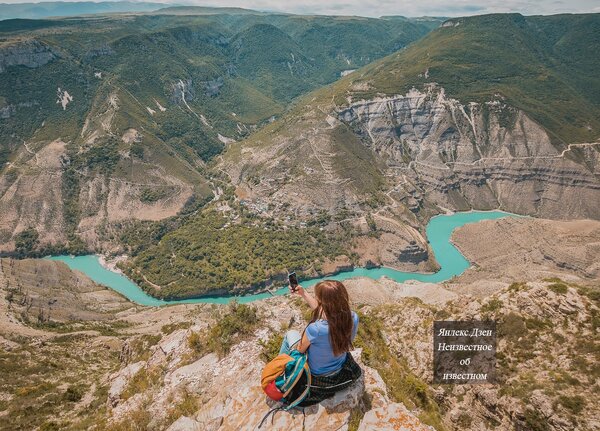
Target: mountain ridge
x: 138, y: 139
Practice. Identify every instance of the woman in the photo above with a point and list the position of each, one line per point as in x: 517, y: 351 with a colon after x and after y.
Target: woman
x: 329, y: 335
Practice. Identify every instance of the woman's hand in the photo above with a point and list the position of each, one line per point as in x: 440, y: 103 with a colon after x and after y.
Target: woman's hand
x: 299, y: 290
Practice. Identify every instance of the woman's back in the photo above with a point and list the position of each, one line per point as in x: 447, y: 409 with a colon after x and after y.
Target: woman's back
x: 321, y: 358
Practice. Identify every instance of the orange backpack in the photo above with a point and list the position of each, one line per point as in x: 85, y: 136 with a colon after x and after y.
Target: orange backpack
x: 281, y: 375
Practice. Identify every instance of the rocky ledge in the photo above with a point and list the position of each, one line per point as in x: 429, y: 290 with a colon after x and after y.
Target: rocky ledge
x: 232, y: 398
x: 30, y: 53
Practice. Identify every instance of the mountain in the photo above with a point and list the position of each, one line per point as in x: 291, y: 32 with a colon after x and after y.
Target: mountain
x: 60, y: 8
x: 106, y: 120
x: 106, y: 155
x: 362, y: 164
x: 497, y: 111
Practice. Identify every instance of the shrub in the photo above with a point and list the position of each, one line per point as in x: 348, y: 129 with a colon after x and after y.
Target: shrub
x: 239, y: 321
x: 186, y: 405
x: 149, y: 195
x: 74, y: 393
x: 103, y: 157
x: 536, y: 324
x: 137, y: 150
x: 593, y: 293
x: 464, y: 420
x: 574, y: 404
x: 371, y: 222
x: 27, y: 241
x: 535, y: 421
x: 143, y: 380
x: 140, y: 347
x: 492, y: 306
x: 512, y: 326
x: 270, y: 347
x: 136, y: 420
x: 195, y: 342
x: 517, y: 286
x: 559, y: 288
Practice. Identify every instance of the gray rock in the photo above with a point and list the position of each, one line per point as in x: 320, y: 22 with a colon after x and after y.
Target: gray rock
x: 29, y: 53
x: 185, y: 424
x: 212, y: 88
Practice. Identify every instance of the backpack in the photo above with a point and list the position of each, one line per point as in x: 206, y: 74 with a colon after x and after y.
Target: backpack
x: 282, y: 374
x: 323, y: 387
x: 287, y: 379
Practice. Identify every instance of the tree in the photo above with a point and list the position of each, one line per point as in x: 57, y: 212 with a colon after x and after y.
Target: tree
x: 26, y: 241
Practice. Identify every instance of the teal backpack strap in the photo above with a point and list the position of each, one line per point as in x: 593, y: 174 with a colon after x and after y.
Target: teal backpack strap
x: 294, y: 375
x: 304, y: 393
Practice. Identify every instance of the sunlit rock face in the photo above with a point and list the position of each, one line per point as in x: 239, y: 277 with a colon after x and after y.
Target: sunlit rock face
x: 477, y: 155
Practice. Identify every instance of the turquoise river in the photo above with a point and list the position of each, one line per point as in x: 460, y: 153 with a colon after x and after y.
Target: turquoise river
x: 439, y: 231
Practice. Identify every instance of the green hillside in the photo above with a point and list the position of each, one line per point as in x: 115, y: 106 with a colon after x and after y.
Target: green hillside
x: 545, y: 65
x: 240, y: 69
x: 144, y: 102
x: 535, y: 63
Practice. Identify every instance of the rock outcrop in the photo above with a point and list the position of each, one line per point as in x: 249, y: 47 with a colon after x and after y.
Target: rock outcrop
x: 182, y: 91
x: 477, y: 155
x: 29, y: 53
x: 423, y: 152
x: 235, y: 401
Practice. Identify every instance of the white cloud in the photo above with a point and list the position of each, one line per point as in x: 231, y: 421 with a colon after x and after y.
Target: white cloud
x: 409, y: 7
x: 377, y: 8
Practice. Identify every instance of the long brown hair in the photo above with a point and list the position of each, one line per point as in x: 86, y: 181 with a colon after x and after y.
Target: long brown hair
x: 333, y: 304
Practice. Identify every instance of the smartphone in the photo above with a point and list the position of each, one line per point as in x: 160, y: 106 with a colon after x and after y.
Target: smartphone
x: 293, y: 281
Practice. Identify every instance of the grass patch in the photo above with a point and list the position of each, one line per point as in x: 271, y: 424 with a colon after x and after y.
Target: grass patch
x: 492, y: 306
x: 403, y: 386
x: 143, y: 380
x: 593, y: 293
x: 238, y: 322
x: 270, y: 347
x: 574, y: 404
x: 137, y: 420
x: 517, y: 286
x: 169, y: 328
x: 186, y: 405
x: 141, y: 346
x: 558, y: 288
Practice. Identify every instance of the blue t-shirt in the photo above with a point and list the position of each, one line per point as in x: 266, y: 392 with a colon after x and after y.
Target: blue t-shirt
x: 321, y: 359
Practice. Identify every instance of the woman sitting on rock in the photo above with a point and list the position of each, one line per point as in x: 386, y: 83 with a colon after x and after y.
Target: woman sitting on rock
x: 327, y: 339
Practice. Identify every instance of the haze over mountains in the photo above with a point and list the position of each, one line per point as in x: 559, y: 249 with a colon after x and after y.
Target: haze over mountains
x: 49, y: 9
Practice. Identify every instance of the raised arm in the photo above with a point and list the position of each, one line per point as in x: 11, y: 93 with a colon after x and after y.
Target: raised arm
x: 310, y: 300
